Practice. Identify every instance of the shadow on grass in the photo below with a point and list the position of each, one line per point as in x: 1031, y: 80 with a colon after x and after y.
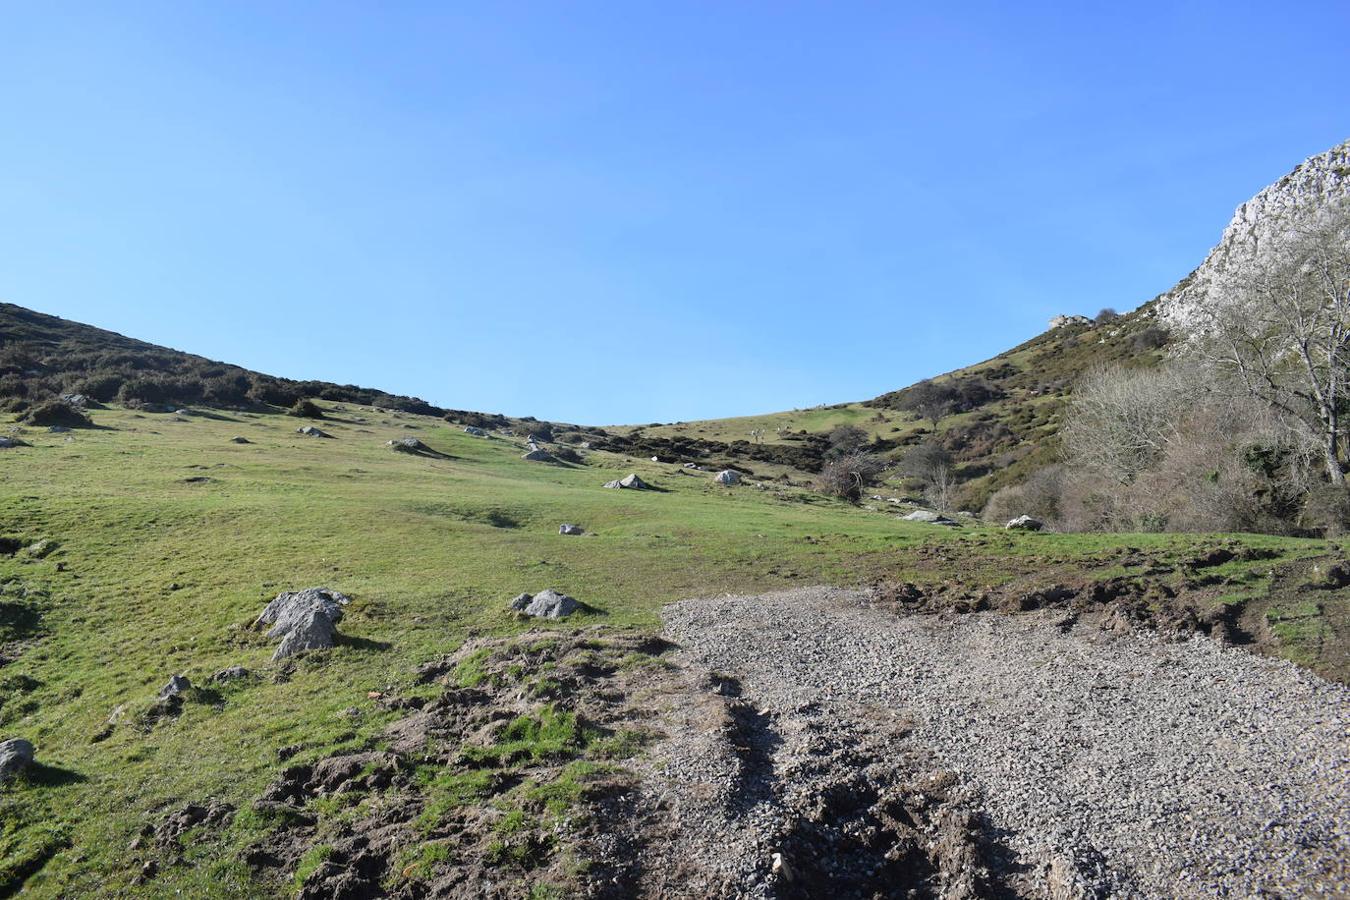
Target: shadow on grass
x: 19, y: 620
x: 40, y: 774
x: 360, y: 643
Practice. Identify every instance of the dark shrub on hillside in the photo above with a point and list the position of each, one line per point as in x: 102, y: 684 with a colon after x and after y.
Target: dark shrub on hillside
x: 566, y: 454
x: 306, y: 409
x: 1327, y: 510
x: 846, y: 439
x: 143, y: 389
x: 935, y: 400
x: 12, y: 385
x: 1151, y: 338
x: 477, y: 419
x: 54, y: 412
x: 1106, y: 315
x: 100, y: 387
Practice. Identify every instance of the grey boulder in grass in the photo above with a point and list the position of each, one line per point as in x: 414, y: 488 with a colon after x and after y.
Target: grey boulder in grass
x: 628, y: 482
x: 303, y: 620
x: 547, y: 604
x: 16, y: 754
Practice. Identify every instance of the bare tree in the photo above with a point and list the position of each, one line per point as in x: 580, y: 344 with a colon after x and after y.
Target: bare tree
x: 1281, y: 326
x: 1121, y: 421
x: 847, y: 475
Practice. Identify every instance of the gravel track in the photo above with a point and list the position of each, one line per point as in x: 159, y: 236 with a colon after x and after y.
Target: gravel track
x: 1155, y: 769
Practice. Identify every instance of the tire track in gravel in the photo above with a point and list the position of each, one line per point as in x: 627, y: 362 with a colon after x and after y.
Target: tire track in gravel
x: 1101, y: 764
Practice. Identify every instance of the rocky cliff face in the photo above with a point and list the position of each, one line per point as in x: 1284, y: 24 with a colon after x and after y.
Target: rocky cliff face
x: 1292, y: 199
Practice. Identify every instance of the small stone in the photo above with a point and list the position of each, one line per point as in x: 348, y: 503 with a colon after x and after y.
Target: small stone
x: 570, y: 529
x: 231, y: 673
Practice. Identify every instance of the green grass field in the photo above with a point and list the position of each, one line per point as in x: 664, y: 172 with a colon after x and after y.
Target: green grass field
x: 155, y: 575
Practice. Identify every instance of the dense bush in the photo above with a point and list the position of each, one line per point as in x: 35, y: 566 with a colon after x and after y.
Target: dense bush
x: 1326, y: 511
x: 305, y: 409
x: 1039, y: 497
x: 1151, y: 338
x: 935, y: 400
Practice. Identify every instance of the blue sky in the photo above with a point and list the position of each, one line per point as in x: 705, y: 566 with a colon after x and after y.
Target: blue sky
x: 627, y: 212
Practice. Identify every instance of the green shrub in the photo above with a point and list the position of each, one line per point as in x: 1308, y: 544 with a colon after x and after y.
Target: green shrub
x: 306, y: 409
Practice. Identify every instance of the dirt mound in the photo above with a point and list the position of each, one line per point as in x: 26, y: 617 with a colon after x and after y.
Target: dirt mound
x: 506, y: 778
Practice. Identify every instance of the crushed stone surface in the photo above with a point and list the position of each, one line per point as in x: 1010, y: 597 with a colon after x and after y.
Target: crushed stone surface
x: 1100, y: 764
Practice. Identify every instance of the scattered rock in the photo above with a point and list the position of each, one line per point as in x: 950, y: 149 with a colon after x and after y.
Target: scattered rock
x: 538, y: 454
x: 240, y: 439
x: 230, y: 673
x: 172, y: 827
x: 475, y: 431
x: 41, y: 549
x: 929, y: 517
x: 9, y: 443
x: 547, y: 604
x: 311, y: 431
x: 58, y: 429
x: 408, y: 445
x: 629, y: 482
x: 691, y: 465
x: 16, y: 754
x: 565, y: 528
x: 178, y: 686
x: 303, y: 620
x: 1024, y: 523
x: 728, y: 477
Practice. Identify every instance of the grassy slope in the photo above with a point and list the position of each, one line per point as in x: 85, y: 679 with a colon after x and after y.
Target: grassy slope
x: 431, y: 550
x: 1036, y: 376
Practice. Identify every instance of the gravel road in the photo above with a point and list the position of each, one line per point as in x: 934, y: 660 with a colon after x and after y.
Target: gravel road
x: 1101, y: 765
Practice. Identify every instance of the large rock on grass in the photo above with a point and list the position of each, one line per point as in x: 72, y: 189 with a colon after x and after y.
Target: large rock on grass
x: 547, y: 604
x: 9, y: 443
x: 628, y: 482
x: 311, y: 431
x: 929, y: 517
x: 1024, y: 523
x: 538, y: 454
x: 303, y: 620
x: 408, y: 445
x: 728, y: 477
x: 567, y: 528
x: 16, y: 754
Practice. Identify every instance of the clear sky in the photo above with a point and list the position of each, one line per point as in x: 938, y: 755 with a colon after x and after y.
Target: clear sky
x: 617, y: 212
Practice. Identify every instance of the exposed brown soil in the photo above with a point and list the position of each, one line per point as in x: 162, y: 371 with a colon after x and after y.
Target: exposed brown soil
x: 1173, y: 599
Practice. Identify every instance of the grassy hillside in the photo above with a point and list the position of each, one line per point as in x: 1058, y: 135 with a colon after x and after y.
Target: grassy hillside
x: 42, y: 357
x: 169, y: 538
x: 997, y: 443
